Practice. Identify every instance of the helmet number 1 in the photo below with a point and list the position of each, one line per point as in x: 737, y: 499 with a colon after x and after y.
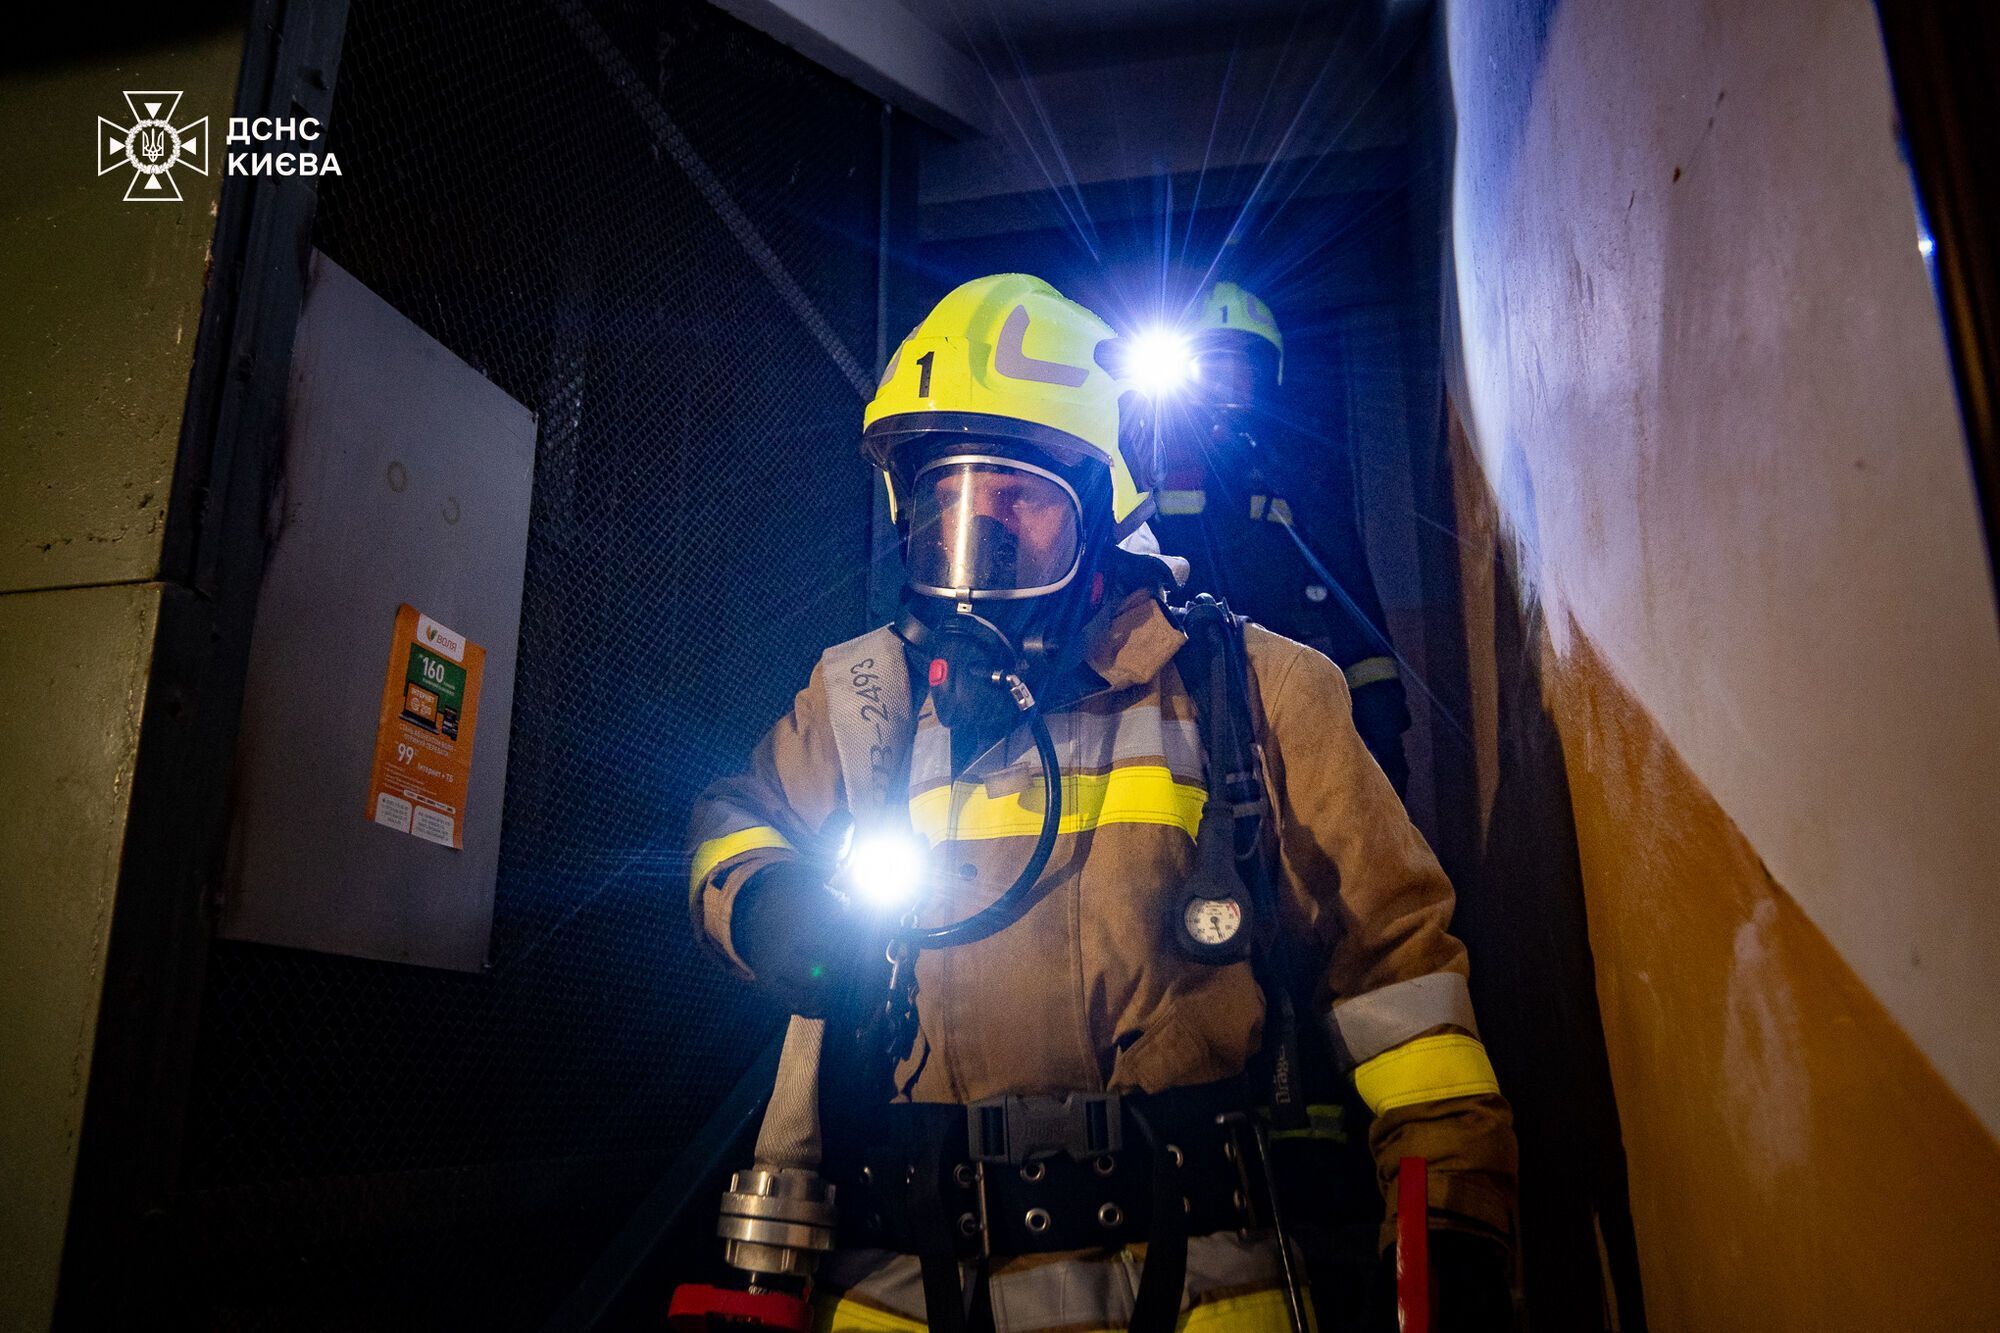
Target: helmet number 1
x: 924, y: 374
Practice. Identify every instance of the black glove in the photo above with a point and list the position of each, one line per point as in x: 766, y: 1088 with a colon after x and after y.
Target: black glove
x: 1469, y: 1288
x: 1472, y: 1288
x: 795, y: 935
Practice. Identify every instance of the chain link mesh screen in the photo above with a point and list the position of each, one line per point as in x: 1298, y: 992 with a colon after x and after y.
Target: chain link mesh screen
x: 658, y: 230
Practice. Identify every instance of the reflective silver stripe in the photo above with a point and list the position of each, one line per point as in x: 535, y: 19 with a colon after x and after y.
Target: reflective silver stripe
x: 1369, y: 670
x: 1011, y: 357
x: 1367, y: 1025
x: 1085, y: 1291
x: 1086, y: 742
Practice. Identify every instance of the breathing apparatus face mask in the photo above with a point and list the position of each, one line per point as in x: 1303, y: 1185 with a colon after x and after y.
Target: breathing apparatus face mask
x: 1235, y: 375
x: 1001, y: 554
x: 999, y: 550
x: 990, y: 529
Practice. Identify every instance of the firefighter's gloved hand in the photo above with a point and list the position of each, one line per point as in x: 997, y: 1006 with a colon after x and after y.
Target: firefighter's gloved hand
x: 795, y: 935
x: 1472, y: 1289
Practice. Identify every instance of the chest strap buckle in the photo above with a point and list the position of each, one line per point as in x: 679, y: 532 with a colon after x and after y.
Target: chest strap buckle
x: 1015, y: 1130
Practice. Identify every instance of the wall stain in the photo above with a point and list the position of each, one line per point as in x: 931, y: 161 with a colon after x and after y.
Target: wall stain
x: 1770, y: 1099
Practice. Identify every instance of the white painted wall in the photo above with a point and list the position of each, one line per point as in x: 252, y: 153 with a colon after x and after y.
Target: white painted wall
x: 1706, y: 378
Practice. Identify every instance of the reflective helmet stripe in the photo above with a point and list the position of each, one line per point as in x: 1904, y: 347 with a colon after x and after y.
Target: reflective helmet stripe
x: 1010, y: 357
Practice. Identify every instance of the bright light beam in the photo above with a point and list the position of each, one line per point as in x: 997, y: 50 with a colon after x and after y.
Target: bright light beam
x: 884, y: 871
x: 1160, y: 362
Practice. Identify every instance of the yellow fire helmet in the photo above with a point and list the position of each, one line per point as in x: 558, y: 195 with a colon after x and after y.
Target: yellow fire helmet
x: 1005, y: 357
x: 1228, y: 306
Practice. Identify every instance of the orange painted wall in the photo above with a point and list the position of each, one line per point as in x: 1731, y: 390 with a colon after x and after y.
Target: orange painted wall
x: 1795, y: 1162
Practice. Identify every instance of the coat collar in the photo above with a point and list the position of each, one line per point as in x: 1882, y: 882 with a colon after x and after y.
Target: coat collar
x: 1133, y: 643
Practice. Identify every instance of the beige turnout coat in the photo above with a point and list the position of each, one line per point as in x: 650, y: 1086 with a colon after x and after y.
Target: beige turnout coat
x: 1087, y: 991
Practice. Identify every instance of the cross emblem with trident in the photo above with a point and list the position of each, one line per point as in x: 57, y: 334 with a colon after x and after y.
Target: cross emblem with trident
x: 152, y: 147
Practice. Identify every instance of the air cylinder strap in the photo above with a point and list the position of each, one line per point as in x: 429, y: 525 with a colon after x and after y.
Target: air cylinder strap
x: 1215, y: 664
x: 1157, y: 1306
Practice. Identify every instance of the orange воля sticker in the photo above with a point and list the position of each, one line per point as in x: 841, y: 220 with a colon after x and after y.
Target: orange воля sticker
x: 423, y: 740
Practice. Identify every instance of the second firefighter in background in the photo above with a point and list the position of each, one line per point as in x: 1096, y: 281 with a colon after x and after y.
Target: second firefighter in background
x: 1253, y: 492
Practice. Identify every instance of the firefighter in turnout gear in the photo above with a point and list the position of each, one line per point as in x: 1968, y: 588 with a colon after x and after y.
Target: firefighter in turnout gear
x: 1242, y: 484
x: 1152, y: 851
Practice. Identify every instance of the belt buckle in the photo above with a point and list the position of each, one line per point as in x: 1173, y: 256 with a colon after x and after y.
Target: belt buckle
x: 1015, y: 1130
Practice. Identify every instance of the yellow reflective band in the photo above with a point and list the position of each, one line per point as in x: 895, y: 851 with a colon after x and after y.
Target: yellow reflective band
x: 1138, y: 794
x: 1270, y: 509
x: 1181, y: 502
x: 715, y: 851
x: 1246, y: 1313
x: 1369, y: 670
x: 846, y: 1314
x: 1428, y: 1069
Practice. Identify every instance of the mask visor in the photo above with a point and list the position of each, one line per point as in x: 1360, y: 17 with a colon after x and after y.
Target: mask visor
x: 984, y: 527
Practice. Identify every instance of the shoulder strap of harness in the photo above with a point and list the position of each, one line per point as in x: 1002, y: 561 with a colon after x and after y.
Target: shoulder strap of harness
x: 1215, y: 668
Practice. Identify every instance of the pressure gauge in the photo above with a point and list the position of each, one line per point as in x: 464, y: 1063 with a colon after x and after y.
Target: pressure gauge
x: 1212, y: 929
x: 1212, y: 921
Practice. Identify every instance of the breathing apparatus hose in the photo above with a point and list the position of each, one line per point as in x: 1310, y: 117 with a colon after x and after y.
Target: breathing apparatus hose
x: 1010, y: 906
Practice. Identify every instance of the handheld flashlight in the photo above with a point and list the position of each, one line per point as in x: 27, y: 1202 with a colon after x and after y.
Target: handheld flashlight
x: 884, y: 870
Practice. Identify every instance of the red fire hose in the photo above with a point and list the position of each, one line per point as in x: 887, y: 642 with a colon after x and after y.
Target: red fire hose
x: 699, y: 1308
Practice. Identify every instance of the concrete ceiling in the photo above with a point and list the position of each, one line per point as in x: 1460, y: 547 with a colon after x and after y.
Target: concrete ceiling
x: 1039, y: 99
x: 943, y: 60
x: 1055, y: 27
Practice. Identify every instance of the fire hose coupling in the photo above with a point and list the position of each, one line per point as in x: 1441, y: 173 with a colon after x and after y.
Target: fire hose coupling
x: 776, y: 1222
